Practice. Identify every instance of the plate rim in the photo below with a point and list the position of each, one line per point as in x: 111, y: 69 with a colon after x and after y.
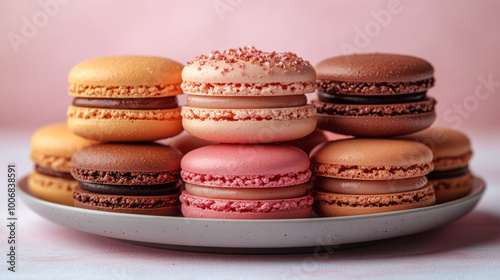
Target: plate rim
x: 476, y: 192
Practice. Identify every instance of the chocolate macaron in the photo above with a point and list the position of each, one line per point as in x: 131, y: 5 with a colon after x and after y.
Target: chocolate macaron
x: 451, y: 177
x: 125, y: 98
x: 51, y: 149
x: 365, y: 176
x: 374, y: 95
x: 138, y: 178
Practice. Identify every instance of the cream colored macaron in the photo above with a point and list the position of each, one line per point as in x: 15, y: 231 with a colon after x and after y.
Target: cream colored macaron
x: 247, y: 95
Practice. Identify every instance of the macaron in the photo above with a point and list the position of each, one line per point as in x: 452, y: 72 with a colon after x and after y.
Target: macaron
x: 51, y: 149
x: 247, y: 95
x: 374, y: 95
x: 229, y: 181
x: 451, y: 177
x: 125, y: 98
x: 364, y: 176
x: 134, y: 178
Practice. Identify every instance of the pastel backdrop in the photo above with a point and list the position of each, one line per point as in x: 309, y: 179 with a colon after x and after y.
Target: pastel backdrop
x: 42, y: 40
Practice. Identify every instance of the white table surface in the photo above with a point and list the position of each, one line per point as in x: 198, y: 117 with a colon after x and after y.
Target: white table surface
x: 466, y: 249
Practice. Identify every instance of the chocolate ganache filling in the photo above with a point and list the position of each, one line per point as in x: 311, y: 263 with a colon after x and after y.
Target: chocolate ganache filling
x: 127, y: 103
x: 53, y: 173
x: 444, y: 174
x: 371, y: 99
x: 133, y: 190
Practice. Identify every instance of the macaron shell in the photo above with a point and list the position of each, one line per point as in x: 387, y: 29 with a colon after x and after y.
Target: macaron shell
x: 248, y: 65
x: 451, y: 148
x: 281, y: 114
x: 226, y: 159
x: 372, y: 152
x: 189, y: 212
x: 273, y: 88
x: 131, y: 157
x: 375, y: 67
x: 129, y: 70
x: 367, y: 126
x: 250, y: 132
x: 452, y: 188
x: 53, y: 145
x: 167, y: 205
x: 127, y: 126
x: 51, y: 189
x: 201, y: 207
x: 332, y: 205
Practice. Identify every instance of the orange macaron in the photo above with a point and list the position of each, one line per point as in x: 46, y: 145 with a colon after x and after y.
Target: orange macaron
x: 125, y: 98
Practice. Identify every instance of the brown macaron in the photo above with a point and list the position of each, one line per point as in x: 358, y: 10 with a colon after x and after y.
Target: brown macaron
x: 138, y: 178
x: 451, y: 177
x: 365, y: 176
x: 374, y: 95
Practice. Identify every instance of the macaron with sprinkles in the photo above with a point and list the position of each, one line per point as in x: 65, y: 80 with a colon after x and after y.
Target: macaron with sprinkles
x: 365, y: 176
x: 374, y: 95
x: 125, y: 98
x: 247, y: 95
x: 230, y: 181
x: 452, y: 151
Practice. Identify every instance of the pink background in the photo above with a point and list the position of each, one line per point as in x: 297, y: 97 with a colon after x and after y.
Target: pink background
x: 460, y: 38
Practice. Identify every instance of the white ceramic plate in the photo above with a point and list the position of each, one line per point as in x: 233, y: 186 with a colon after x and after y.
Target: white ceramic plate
x: 254, y: 236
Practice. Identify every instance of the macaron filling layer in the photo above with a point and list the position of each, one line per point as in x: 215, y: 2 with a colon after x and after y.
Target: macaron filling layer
x: 246, y: 102
x: 53, y: 173
x: 370, y: 99
x: 247, y: 193
x: 133, y: 190
x: 346, y: 186
x: 127, y: 103
x: 445, y: 174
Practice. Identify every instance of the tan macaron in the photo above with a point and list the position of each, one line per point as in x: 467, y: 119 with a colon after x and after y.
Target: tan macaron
x: 125, y: 98
x: 51, y: 149
x: 451, y: 177
x: 366, y: 176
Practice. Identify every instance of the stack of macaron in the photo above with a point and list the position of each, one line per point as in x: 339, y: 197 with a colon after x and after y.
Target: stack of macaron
x: 52, y: 147
x: 127, y: 100
x: 246, y: 114
x: 244, y: 97
x: 377, y: 96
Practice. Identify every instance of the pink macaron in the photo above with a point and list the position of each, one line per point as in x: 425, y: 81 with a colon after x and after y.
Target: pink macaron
x: 229, y: 181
